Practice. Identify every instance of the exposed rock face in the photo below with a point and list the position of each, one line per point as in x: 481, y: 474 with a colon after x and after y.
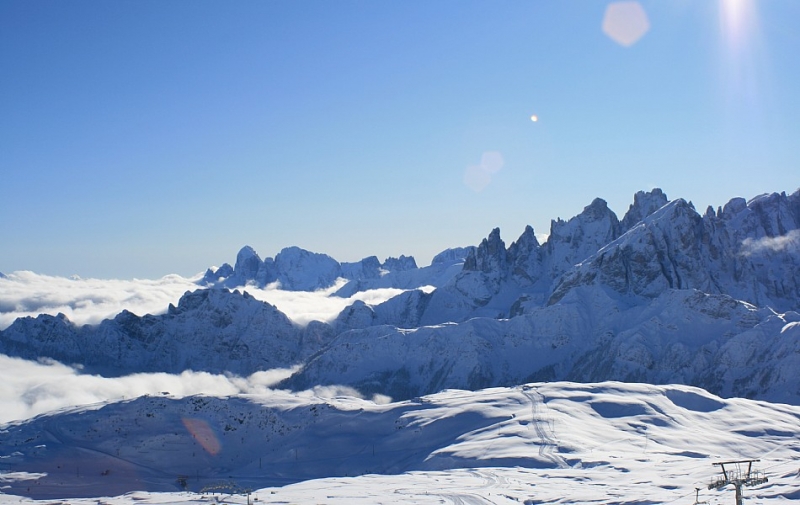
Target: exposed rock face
x: 749, y: 251
x: 367, y: 268
x: 573, y: 241
x: 400, y: 264
x: 247, y: 264
x: 301, y: 270
x: 217, y: 275
x: 644, y: 204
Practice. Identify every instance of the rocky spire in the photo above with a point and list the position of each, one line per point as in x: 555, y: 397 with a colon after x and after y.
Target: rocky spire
x: 644, y: 204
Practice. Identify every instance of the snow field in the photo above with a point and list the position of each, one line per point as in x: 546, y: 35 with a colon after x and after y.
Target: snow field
x: 538, y: 443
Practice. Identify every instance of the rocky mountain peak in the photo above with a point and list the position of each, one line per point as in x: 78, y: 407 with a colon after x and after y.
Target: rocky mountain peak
x: 573, y: 241
x: 453, y: 255
x: 644, y: 204
x: 400, y: 264
x: 490, y: 256
x: 215, y: 275
x: 302, y: 270
x: 247, y: 263
x: 524, y: 246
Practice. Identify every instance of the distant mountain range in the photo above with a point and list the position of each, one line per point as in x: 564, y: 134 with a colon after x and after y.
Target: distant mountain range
x: 664, y: 295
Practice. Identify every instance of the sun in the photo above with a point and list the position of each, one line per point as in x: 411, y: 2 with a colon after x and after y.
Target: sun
x: 737, y: 18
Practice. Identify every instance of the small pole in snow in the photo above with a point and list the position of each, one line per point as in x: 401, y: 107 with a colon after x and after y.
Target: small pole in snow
x: 645, y: 439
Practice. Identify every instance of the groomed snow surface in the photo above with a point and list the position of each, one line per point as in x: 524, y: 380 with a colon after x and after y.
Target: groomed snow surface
x: 554, y: 442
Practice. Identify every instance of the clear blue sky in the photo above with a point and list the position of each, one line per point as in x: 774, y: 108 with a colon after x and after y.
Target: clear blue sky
x: 142, y: 138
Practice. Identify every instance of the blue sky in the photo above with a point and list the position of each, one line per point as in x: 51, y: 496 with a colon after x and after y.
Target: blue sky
x: 144, y: 138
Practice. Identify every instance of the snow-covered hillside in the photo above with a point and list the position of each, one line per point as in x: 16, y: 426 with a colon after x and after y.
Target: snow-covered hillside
x: 536, y: 443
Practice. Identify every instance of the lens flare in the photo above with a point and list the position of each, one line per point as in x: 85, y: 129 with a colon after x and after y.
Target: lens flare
x: 625, y: 22
x: 204, y: 435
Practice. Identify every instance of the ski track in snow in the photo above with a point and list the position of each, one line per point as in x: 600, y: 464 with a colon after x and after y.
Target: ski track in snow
x: 540, y: 423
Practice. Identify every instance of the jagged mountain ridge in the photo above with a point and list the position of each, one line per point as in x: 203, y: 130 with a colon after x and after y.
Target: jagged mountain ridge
x: 684, y: 336
x: 743, y: 250
x: 671, y: 246
x: 296, y: 269
x: 576, y: 306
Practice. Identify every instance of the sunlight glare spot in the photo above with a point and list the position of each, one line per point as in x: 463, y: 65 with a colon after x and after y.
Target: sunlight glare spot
x: 736, y: 15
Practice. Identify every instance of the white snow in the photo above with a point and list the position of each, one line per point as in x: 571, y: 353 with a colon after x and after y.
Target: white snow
x: 538, y: 443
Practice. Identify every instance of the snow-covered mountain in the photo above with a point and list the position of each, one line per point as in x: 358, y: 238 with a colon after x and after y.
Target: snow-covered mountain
x: 683, y: 336
x: 297, y: 269
x: 664, y: 295
x: 556, y: 436
x: 746, y: 250
x: 212, y: 330
x: 750, y: 251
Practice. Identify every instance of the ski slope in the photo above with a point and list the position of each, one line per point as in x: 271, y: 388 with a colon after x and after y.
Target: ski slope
x: 538, y: 443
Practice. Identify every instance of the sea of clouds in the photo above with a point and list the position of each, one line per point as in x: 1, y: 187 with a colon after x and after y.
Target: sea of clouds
x: 89, y: 301
x: 29, y: 388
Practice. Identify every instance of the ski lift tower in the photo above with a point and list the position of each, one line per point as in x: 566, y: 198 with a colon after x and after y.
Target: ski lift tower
x: 735, y: 475
x: 697, y: 497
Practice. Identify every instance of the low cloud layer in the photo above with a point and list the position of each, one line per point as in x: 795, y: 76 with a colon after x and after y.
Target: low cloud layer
x: 85, y: 301
x: 29, y: 388
x: 89, y: 301
x: 303, y: 307
x: 781, y: 243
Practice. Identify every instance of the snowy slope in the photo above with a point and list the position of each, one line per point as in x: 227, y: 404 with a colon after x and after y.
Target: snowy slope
x: 539, y: 443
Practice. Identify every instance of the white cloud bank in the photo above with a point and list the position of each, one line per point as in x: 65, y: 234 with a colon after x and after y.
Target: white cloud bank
x: 29, y: 388
x: 85, y: 301
x: 303, y: 307
x: 89, y: 301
